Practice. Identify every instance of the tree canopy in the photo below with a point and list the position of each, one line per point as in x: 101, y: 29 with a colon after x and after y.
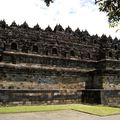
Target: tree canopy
x: 111, y: 7
x: 48, y: 2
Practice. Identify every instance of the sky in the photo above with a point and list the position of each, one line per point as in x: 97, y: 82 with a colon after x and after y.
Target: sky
x: 82, y: 14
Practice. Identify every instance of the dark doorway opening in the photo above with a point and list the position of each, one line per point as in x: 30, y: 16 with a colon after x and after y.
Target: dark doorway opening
x: 14, y: 46
x: 46, y: 52
x: 72, y: 53
x: 1, y: 58
x: 54, y: 51
x: 117, y: 57
x: 110, y: 54
x: 35, y: 48
x: 64, y: 54
x: 91, y: 96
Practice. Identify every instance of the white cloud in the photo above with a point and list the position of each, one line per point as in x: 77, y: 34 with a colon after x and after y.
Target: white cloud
x: 75, y: 13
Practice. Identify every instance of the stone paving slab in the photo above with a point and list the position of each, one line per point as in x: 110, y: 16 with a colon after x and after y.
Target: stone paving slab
x: 56, y: 115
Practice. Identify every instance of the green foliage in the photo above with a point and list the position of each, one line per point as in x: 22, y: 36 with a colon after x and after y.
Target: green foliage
x: 96, y: 110
x: 112, y: 8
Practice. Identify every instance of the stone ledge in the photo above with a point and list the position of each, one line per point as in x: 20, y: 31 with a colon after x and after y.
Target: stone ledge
x: 42, y: 67
x: 47, y: 56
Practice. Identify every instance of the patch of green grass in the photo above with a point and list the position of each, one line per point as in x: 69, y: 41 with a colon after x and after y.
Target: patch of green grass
x: 39, y: 108
x: 96, y: 110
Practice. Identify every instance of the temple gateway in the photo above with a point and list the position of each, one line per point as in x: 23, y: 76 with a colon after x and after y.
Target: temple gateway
x: 57, y: 66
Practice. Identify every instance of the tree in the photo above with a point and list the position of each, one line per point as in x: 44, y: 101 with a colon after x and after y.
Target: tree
x: 48, y: 2
x: 111, y: 7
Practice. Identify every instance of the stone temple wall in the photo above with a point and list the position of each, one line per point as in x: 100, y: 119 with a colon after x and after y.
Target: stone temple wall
x: 111, y: 98
x: 33, y: 59
x: 42, y: 78
x: 21, y: 97
x: 57, y: 66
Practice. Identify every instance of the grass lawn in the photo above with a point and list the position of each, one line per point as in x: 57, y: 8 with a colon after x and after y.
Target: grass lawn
x: 96, y: 110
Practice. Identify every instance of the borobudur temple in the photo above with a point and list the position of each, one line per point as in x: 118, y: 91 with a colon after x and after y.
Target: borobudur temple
x: 57, y: 66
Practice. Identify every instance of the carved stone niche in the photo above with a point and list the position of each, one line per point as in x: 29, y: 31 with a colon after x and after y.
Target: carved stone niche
x: 110, y: 54
x: 117, y: 56
x: 88, y: 55
x: 0, y: 57
x: 72, y: 53
x: 63, y: 53
x: 2, y: 46
x: 14, y: 46
x: 35, y: 49
x: 54, y: 51
x: 46, y: 51
x: 115, y: 47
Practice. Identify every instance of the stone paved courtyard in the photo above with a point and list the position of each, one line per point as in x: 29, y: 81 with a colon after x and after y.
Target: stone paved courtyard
x: 56, y: 115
